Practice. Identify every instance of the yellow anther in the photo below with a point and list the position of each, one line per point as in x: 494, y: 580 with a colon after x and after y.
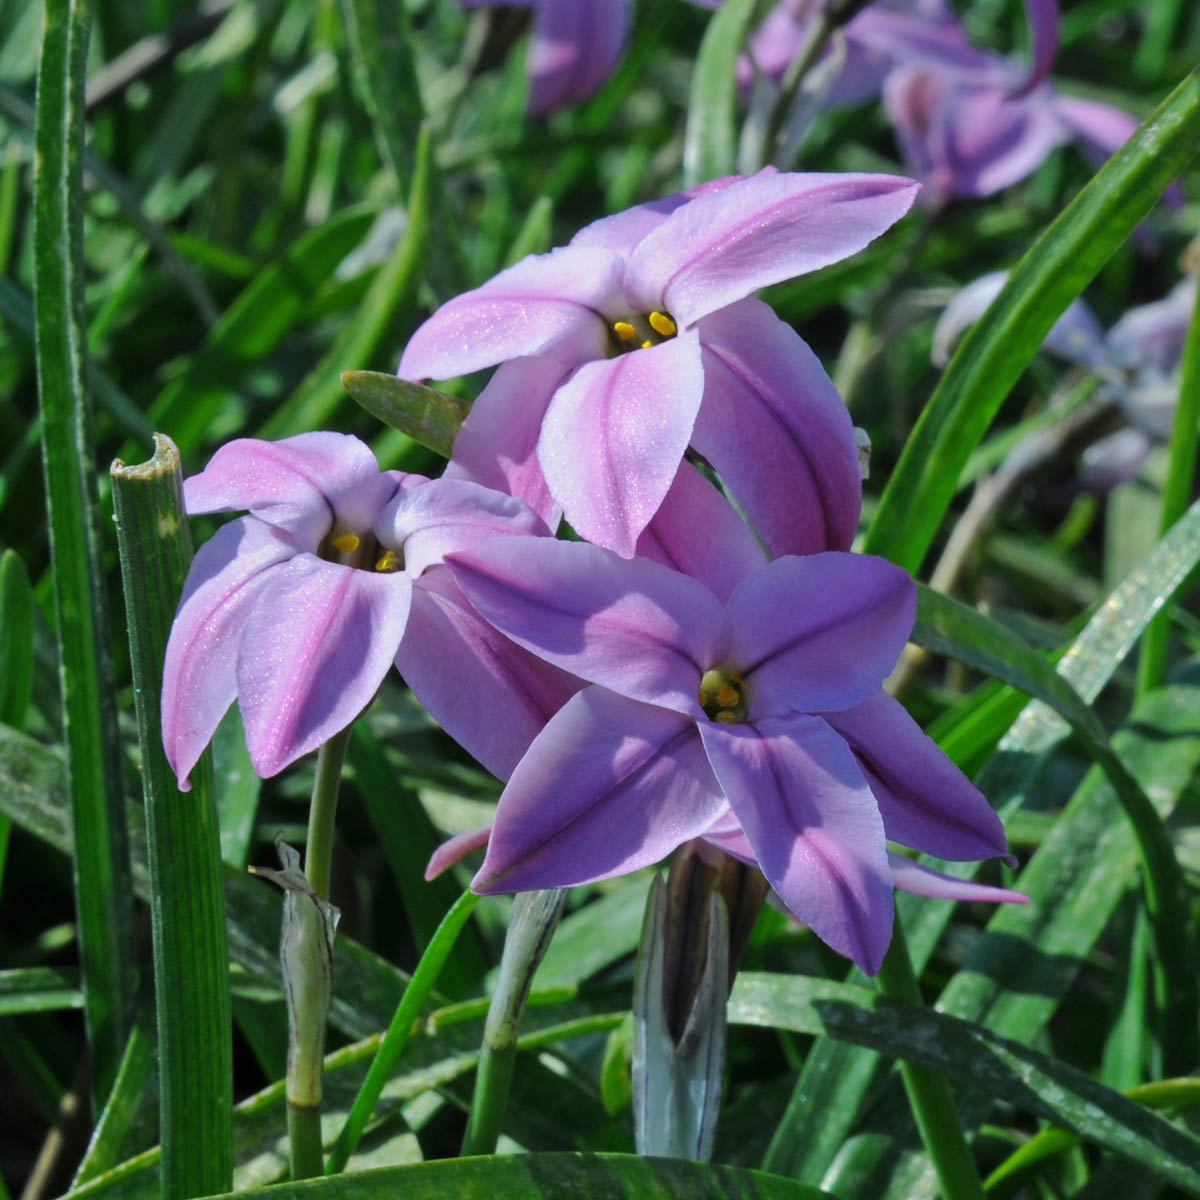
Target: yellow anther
x: 662, y: 324
x: 647, y: 344
x: 624, y: 331
x: 346, y: 544
x: 727, y: 696
x: 388, y: 562
x: 725, y: 718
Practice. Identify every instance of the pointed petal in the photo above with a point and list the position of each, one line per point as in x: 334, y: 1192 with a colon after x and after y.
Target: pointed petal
x: 759, y: 231
x: 812, y: 822
x: 770, y: 413
x: 497, y: 444
x: 609, y: 786
x: 576, y: 45
x: 820, y: 633
x: 490, y: 695
x: 455, y: 849
x: 926, y: 801
x: 909, y: 876
x: 546, y: 304
x: 314, y: 650
x: 622, y: 231
x: 200, y: 667
x: 697, y: 531
x: 305, y: 484
x: 614, y: 436
x: 636, y: 627
x: 444, y: 515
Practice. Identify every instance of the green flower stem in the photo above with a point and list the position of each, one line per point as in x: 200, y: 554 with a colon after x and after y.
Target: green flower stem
x: 396, y: 1037
x: 928, y: 1092
x: 534, y: 919
x: 322, y: 812
x: 1177, y: 493
x: 187, y: 895
x: 304, y: 1140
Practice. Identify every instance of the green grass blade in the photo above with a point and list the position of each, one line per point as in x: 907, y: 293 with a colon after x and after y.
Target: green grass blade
x: 104, y: 899
x: 191, y: 957
x: 16, y: 640
x: 997, y: 349
x: 422, y: 413
x: 973, y: 1057
x: 710, y: 140
x: 38, y: 989
x: 381, y: 315
x: 1177, y: 491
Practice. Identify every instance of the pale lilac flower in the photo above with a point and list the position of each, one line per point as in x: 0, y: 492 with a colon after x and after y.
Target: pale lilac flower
x: 611, y: 344
x: 574, y: 47
x: 1138, y: 360
x: 761, y: 717
x: 299, y: 609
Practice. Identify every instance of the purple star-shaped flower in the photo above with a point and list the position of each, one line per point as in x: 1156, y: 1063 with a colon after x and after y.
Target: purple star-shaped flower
x: 299, y: 609
x: 761, y: 717
x: 640, y: 338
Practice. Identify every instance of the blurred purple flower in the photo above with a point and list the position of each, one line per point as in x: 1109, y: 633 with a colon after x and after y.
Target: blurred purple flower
x: 975, y: 125
x: 1138, y: 359
x: 760, y: 717
x: 299, y: 609
x: 574, y: 47
x: 611, y: 343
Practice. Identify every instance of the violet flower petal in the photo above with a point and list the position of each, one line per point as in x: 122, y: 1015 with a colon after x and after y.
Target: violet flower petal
x: 200, y: 666
x: 770, y: 413
x: 497, y: 444
x: 1102, y: 128
x: 632, y: 625
x: 1043, y: 41
x: 909, y: 876
x: 306, y: 484
x: 490, y: 695
x: 545, y: 304
x: 576, y: 45
x: 819, y: 633
x: 813, y: 825
x: 455, y: 849
x: 610, y: 785
x: 614, y: 435
x: 622, y: 231
x: 697, y: 531
x: 925, y: 800
x: 770, y: 227
x: 444, y: 515
x: 314, y: 649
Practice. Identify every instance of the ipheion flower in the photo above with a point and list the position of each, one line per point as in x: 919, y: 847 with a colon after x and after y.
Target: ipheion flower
x: 758, y: 722
x: 641, y: 338
x: 299, y: 609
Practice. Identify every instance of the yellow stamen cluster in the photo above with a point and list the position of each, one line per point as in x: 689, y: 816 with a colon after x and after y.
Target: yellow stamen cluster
x: 723, y: 697
x: 643, y: 331
x: 388, y: 562
x: 346, y: 544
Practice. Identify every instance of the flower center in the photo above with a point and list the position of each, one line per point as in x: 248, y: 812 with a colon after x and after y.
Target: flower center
x: 362, y: 551
x: 723, y: 696
x: 641, y: 331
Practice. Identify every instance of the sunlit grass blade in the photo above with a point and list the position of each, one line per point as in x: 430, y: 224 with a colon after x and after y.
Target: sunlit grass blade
x: 710, y: 140
x: 104, y: 897
x: 993, y: 354
x: 191, y: 972
x: 951, y: 628
x: 38, y: 989
x: 423, y: 413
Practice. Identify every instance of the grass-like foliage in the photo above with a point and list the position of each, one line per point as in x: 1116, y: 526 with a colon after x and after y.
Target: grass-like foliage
x: 228, y: 220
